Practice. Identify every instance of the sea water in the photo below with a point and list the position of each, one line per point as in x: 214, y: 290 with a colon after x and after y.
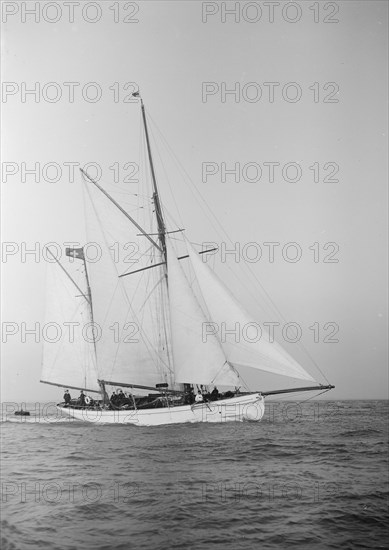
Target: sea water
x: 311, y: 474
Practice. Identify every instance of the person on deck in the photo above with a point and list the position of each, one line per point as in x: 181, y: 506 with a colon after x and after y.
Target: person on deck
x: 67, y: 397
x: 120, y: 397
x: 215, y: 394
x: 81, y: 399
x: 199, y: 397
x: 189, y: 397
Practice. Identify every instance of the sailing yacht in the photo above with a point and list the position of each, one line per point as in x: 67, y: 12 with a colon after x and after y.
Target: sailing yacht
x: 143, y: 315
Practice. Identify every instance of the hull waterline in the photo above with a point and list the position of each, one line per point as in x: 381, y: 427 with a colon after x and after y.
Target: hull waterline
x: 236, y: 409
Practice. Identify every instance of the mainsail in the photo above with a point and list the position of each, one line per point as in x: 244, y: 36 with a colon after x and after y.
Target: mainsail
x: 129, y: 311
x: 68, y: 349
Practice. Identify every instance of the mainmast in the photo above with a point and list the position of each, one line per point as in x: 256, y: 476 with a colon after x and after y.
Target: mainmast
x: 162, y: 242
x: 157, y: 203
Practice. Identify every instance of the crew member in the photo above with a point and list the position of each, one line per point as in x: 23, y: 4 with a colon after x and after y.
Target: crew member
x: 81, y: 399
x: 120, y: 397
x: 215, y: 394
x: 67, y: 397
x: 199, y: 397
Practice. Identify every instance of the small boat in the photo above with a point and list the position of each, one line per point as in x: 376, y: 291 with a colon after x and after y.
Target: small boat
x: 22, y: 413
x: 142, y: 316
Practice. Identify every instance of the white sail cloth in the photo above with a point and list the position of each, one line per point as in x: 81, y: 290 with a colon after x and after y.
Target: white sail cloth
x: 68, y: 349
x: 196, y: 360
x: 224, y: 310
x: 129, y: 313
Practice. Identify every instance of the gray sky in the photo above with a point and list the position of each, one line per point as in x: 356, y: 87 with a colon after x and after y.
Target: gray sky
x: 169, y: 53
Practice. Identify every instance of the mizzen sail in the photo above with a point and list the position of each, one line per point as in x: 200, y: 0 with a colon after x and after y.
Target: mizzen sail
x: 68, y: 349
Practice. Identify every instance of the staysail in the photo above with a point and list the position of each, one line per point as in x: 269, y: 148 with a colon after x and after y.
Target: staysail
x: 225, y: 311
x: 196, y: 361
x: 68, y: 349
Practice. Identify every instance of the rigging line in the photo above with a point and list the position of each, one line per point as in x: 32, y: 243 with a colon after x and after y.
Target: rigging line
x: 166, y: 174
x: 128, y: 194
x: 278, y: 397
x: 153, y: 352
x: 224, y: 231
x: 145, y: 186
x: 156, y: 199
x: 147, y: 298
x: 119, y: 190
x: 245, y: 385
x: 167, y: 330
x: 299, y: 342
x: 164, y: 318
x: 208, y: 208
x: 107, y: 247
x: 301, y: 345
x: 313, y: 396
x: 89, y: 293
x: 76, y: 312
x: 114, y: 363
x: 148, y: 344
x: 143, y: 169
x: 132, y: 208
x: 226, y: 362
x: 172, y: 220
x: 181, y: 167
x: 119, y: 340
x: 119, y: 207
x: 201, y: 306
x: 143, y: 335
x: 100, y: 223
x: 158, y: 208
x: 145, y: 253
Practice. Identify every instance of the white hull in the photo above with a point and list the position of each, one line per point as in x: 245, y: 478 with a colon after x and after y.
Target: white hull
x: 236, y: 409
